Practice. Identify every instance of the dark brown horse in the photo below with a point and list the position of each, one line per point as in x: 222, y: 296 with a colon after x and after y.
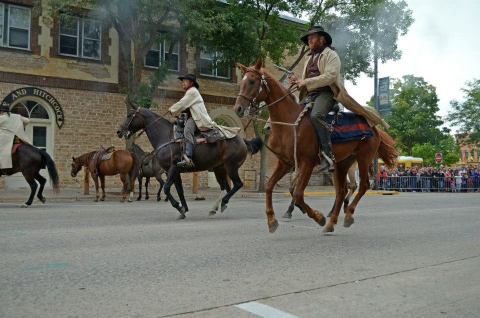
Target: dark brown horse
x: 121, y: 162
x: 29, y: 160
x: 258, y: 86
x: 224, y: 157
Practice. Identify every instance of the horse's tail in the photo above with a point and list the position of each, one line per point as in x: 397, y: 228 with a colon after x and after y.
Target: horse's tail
x: 387, y: 151
x: 52, y: 169
x: 254, y: 145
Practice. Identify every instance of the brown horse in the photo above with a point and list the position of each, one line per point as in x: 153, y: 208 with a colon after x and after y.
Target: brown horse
x: 121, y: 162
x: 258, y: 86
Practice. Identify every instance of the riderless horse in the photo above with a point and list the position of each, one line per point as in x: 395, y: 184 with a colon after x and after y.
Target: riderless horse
x: 147, y: 167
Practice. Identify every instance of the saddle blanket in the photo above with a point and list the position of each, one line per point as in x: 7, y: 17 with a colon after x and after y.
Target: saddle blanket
x: 349, y: 127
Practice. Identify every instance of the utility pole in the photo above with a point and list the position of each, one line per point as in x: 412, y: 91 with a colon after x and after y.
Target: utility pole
x: 376, y: 101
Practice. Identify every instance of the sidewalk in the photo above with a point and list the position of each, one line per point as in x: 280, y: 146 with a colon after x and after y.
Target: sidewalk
x: 70, y: 194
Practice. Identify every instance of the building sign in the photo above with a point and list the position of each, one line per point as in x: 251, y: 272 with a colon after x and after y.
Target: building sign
x: 384, y: 106
x: 11, y: 98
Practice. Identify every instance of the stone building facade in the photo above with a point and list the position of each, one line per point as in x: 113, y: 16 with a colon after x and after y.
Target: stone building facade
x: 65, y: 74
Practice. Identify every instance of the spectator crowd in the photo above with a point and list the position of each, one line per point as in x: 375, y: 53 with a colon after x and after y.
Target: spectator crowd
x: 429, y: 179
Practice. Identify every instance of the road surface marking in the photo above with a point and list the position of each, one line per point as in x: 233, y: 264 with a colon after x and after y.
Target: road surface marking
x: 264, y: 310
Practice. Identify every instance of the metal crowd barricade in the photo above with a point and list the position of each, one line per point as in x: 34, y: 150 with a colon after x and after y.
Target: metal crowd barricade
x: 429, y: 184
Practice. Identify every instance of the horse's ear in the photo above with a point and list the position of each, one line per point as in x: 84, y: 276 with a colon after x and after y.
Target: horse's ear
x: 259, y: 63
x: 242, y: 67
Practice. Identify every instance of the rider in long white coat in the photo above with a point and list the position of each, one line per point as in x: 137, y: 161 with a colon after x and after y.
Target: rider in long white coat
x: 11, y: 125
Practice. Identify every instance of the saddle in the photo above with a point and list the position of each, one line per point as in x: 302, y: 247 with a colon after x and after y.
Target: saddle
x: 201, y: 137
x: 344, y: 126
x: 102, y: 154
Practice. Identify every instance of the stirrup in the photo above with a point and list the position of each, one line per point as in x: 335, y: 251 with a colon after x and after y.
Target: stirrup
x: 326, y: 162
x: 186, y: 163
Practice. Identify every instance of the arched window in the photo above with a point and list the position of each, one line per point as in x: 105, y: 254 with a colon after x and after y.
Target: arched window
x: 30, y: 109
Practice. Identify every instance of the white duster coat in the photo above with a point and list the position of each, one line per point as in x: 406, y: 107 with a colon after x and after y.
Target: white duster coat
x: 11, y: 126
x: 194, y: 102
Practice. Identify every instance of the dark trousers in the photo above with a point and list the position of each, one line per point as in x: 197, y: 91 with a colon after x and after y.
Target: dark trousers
x: 323, y: 103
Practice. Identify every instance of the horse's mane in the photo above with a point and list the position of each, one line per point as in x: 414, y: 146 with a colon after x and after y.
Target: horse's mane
x: 157, y: 116
x: 283, y: 89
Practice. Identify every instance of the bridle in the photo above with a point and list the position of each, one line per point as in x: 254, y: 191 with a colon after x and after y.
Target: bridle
x: 253, y: 104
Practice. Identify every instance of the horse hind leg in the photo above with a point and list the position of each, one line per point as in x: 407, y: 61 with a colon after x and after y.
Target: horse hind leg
x: 364, y: 186
x: 33, y: 188
x: 237, y: 185
x: 147, y: 183
x: 340, y: 176
x: 220, y: 175
x: 42, y: 182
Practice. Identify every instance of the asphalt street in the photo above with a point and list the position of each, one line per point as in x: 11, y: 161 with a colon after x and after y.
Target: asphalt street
x: 408, y: 255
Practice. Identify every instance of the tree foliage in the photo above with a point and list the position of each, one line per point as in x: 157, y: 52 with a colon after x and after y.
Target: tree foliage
x: 466, y: 114
x: 414, y: 121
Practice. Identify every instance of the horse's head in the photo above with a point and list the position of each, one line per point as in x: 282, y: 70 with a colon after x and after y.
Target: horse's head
x: 134, y: 121
x: 76, y: 167
x: 253, y: 89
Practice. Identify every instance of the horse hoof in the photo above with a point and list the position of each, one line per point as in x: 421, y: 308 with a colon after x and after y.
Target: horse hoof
x: 96, y: 200
x: 328, y: 229
x: 348, y: 221
x: 129, y: 200
x: 43, y: 200
x: 146, y: 198
x: 181, y: 216
x: 102, y: 199
x: 183, y: 210
x: 139, y: 199
x: 212, y: 212
x: 159, y: 199
x: 321, y: 220
x: 223, y: 208
x: 272, y: 227
x: 25, y: 205
x: 287, y: 215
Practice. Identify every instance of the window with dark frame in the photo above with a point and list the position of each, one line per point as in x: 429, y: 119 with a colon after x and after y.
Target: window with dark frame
x: 159, y: 53
x: 15, y: 26
x: 211, y: 64
x: 80, y: 37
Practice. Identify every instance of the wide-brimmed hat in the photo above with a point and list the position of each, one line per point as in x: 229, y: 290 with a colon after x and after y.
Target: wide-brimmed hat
x: 190, y: 77
x: 317, y: 30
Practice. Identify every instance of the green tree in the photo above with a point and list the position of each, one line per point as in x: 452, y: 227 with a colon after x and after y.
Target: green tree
x: 466, y: 114
x: 447, y: 146
x: 414, y: 119
x: 138, y: 24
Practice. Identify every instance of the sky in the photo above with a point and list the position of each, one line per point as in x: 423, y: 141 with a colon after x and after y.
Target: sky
x: 442, y: 46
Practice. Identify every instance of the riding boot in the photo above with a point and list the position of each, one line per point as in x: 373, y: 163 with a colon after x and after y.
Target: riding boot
x: 328, y: 161
x: 187, y: 161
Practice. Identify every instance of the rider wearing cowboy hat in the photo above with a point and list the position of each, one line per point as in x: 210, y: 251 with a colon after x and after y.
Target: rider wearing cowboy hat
x: 320, y: 70
x: 191, y: 102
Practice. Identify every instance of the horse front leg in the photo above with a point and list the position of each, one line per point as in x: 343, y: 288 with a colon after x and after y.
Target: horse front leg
x: 95, y: 181
x: 179, y: 187
x: 166, y: 189
x: 124, y: 179
x: 139, y: 180
x: 305, y: 171
x: 280, y: 170
x: 102, y: 184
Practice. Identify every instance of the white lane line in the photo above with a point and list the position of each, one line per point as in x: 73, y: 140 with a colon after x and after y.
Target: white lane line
x: 264, y: 310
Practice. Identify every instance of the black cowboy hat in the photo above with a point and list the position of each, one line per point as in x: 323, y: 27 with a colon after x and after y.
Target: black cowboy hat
x: 317, y: 30
x: 190, y: 77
